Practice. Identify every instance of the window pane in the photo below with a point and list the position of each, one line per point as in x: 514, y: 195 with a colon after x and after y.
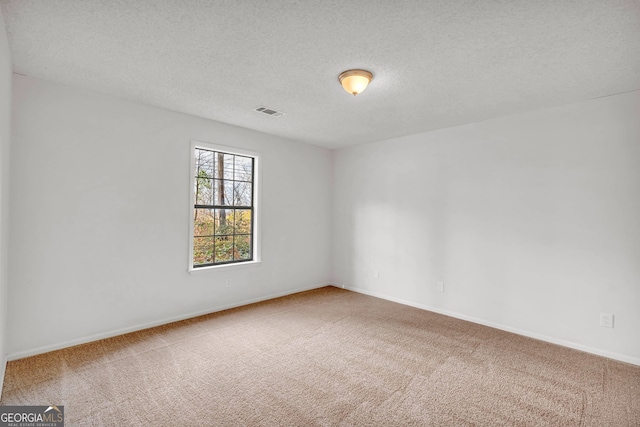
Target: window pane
x: 224, y: 222
x: 228, y: 164
x: 218, y: 190
x: 228, y: 193
x: 243, y: 168
x: 224, y: 248
x: 218, y: 170
x: 203, y: 222
x: 243, y: 221
x: 222, y: 192
x: 204, y: 162
x: 242, y: 194
x: 204, y: 191
x: 202, y: 250
x: 243, y: 247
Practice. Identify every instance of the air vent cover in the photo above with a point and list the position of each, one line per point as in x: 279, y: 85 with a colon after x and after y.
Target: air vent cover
x: 268, y: 111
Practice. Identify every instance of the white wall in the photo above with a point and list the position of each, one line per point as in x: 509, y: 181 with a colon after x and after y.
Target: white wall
x: 5, y: 133
x: 532, y: 221
x: 99, y: 232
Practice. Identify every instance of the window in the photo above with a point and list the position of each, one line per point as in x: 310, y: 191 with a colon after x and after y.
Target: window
x: 223, y: 203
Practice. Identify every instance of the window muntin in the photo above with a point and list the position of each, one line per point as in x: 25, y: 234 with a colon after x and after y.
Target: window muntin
x: 223, y: 207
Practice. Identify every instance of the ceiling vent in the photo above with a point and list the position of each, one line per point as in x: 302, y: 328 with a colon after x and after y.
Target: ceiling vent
x: 268, y: 111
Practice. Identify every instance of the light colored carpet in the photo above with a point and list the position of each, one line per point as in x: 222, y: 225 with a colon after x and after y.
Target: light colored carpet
x: 327, y: 357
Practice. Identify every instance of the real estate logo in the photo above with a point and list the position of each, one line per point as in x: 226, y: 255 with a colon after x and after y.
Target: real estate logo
x: 32, y: 416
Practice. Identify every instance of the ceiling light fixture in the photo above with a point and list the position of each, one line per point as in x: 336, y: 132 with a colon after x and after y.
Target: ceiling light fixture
x: 355, y: 81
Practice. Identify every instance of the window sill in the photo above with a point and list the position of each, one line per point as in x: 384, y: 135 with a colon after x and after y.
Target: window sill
x: 224, y: 266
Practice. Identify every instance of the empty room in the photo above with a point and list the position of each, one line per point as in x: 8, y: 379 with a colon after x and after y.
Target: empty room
x: 331, y: 213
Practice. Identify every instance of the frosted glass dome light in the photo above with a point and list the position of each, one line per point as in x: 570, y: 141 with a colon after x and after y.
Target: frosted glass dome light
x: 355, y: 81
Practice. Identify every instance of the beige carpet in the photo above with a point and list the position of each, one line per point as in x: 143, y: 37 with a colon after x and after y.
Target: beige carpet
x: 327, y: 357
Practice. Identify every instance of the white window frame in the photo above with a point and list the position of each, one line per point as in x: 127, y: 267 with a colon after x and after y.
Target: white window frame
x: 257, y: 181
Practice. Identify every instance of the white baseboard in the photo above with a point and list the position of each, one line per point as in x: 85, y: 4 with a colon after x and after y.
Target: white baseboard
x: 541, y: 337
x: 108, y: 334
x: 3, y: 370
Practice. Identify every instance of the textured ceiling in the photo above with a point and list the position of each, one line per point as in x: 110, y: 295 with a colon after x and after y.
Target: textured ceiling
x: 436, y: 63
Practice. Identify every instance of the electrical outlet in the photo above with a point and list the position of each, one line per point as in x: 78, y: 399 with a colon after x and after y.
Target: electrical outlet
x: 606, y: 320
x: 376, y: 274
x: 440, y: 286
x: 227, y: 284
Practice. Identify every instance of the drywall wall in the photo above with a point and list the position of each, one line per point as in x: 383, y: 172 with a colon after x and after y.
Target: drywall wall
x: 99, y: 233
x: 532, y: 222
x: 5, y: 133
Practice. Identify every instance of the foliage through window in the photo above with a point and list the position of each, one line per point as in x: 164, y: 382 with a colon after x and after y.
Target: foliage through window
x: 223, y: 210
